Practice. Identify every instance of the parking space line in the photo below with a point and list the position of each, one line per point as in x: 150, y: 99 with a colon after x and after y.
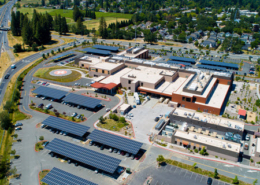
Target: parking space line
x: 201, y: 178
x: 175, y: 169
x: 191, y: 174
x: 185, y: 173
x: 196, y: 176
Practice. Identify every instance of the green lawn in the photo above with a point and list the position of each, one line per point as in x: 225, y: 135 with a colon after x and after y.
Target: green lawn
x: 42, y: 174
x: 110, y: 124
x: 45, y: 74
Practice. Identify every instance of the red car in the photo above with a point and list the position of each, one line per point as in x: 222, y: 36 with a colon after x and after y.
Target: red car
x: 44, y: 83
x: 122, y: 153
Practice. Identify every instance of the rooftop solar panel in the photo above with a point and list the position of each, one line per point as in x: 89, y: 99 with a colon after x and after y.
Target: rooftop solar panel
x: 221, y: 64
x: 65, y: 125
x: 211, y: 67
x: 84, y: 155
x: 96, y: 51
x: 82, y: 100
x: 115, y: 141
x: 50, y: 92
x: 63, y: 55
x: 178, y: 62
x: 183, y: 59
x: 108, y: 48
x: 58, y: 176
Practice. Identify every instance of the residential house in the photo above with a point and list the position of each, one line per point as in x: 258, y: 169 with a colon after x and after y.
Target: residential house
x: 246, y: 47
x: 210, y: 43
x: 236, y: 35
x: 221, y: 39
x: 227, y: 34
x: 221, y: 34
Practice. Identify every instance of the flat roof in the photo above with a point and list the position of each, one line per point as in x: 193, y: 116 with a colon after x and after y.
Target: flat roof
x: 50, y: 92
x: 63, y: 55
x: 106, y: 65
x: 115, y: 78
x: 258, y: 145
x: 209, y: 140
x: 84, y: 155
x: 96, y: 51
x: 183, y: 59
x: 121, y: 143
x: 108, y: 48
x: 221, y: 64
x: 58, y: 176
x: 82, y: 100
x: 124, y: 107
x: 210, y: 119
x: 242, y: 112
x: 144, y: 74
x: 211, y: 67
x: 67, y: 126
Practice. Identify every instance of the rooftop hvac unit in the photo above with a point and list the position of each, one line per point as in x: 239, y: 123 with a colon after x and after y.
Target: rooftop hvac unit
x: 170, y: 134
x: 185, y: 113
x: 131, y: 76
x: 229, y: 146
x: 201, y: 76
x: 195, y: 136
x: 224, y: 146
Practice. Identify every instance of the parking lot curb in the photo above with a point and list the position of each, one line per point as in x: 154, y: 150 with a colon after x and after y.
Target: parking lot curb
x: 39, y: 175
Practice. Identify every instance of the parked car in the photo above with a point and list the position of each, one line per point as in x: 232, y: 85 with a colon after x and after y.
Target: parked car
x: 44, y: 83
x: 37, y: 96
x: 115, y: 150
x: 78, y: 107
x: 87, y: 84
x: 92, y: 82
x: 61, y: 133
x: 18, y: 124
x: 156, y: 119
x: 18, y: 128
x: 96, y: 171
x: 43, y: 98
x: 247, y: 137
x: 42, y: 125
x: 90, y: 143
x: 132, y: 156
x: 209, y: 181
x: 127, y: 155
x: 246, y: 146
x: 119, y: 152
x: 40, y: 105
x: 45, y: 143
x: 7, y: 76
x: 107, y: 109
x: 39, y: 83
x: 74, y: 114
x: 110, y: 150
x: 122, y: 153
x: 49, y: 106
x: 79, y: 116
x: 102, y: 147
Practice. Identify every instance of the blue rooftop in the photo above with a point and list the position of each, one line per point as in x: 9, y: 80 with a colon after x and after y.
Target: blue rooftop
x: 97, y: 51
x: 68, y: 53
x: 108, y: 48
x: 183, y: 59
x: 220, y: 64
x: 211, y: 67
x: 178, y: 62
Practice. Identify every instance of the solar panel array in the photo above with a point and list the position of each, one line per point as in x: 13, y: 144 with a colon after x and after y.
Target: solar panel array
x: 63, y: 55
x: 211, y: 67
x: 183, y: 59
x: 115, y: 141
x: 96, y: 51
x: 84, y: 155
x: 221, y: 64
x: 109, y: 48
x: 178, y: 62
x: 82, y: 100
x: 58, y: 176
x: 50, y: 92
x: 65, y: 125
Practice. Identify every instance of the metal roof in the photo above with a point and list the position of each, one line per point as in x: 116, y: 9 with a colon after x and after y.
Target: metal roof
x: 221, y: 64
x: 50, y: 92
x: 178, y: 62
x: 58, y: 176
x: 65, y: 125
x: 84, y: 155
x: 63, y: 55
x: 211, y: 67
x: 160, y: 124
x: 96, y: 51
x: 82, y: 100
x: 108, y: 48
x: 183, y: 59
x: 121, y: 143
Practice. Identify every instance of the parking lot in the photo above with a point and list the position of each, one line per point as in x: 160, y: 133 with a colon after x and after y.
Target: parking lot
x: 171, y: 175
x: 144, y: 115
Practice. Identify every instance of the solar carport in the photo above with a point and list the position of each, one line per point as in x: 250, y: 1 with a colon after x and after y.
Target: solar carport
x: 58, y: 176
x: 67, y: 126
x: 183, y: 59
x: 84, y: 155
x: 108, y: 48
x: 50, y: 92
x: 82, y: 100
x: 220, y: 64
x: 115, y: 141
x: 178, y: 63
x: 97, y: 52
x: 211, y: 67
x: 63, y: 55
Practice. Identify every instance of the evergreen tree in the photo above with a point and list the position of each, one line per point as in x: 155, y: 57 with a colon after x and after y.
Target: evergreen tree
x: 43, y: 2
x: 13, y: 24
x: 76, y: 13
x: 64, y: 26
x: 27, y: 32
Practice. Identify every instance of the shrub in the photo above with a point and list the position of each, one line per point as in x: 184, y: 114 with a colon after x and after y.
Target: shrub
x: 196, y: 150
x: 122, y: 119
x: 13, y: 152
x: 235, y: 180
x: 41, y: 138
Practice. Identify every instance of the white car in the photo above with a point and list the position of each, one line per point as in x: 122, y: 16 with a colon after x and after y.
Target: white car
x: 92, y: 82
x: 107, y: 109
x: 42, y: 126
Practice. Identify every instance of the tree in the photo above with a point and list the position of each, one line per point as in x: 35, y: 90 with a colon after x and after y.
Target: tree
x: 43, y: 2
x: 101, y: 120
x: 122, y: 119
x: 196, y: 43
x: 43, y: 56
x: 5, y: 120
x: 190, y: 40
x: 13, y: 152
x: 150, y: 37
x: 52, y: 52
x: 103, y: 28
x: 160, y: 159
x: 235, y: 180
x: 76, y: 13
x: 8, y: 106
x: 41, y: 138
x: 216, y: 174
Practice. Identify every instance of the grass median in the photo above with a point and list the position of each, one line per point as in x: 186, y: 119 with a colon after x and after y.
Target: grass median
x: 42, y: 174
